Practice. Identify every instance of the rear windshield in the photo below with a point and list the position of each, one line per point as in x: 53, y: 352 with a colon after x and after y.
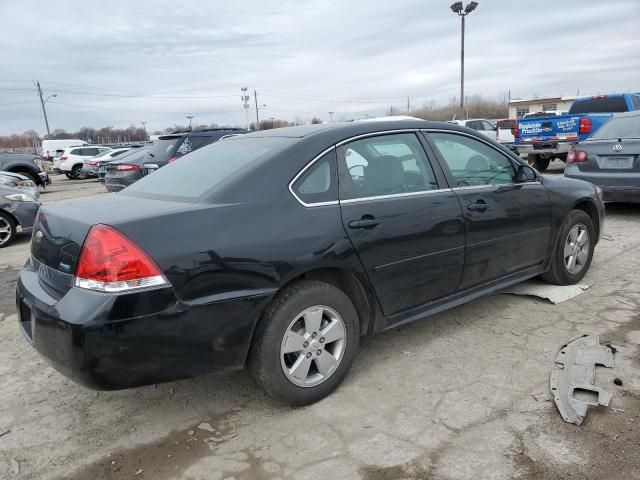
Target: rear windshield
x: 208, y: 169
x: 132, y: 155
x: 599, y: 105
x: 506, y: 124
x: 621, y: 127
x: 163, y: 148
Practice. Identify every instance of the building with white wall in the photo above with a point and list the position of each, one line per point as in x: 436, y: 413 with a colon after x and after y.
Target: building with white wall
x: 518, y: 108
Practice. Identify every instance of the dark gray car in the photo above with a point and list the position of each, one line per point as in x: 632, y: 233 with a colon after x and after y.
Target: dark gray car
x: 610, y: 158
x: 17, y: 209
x: 26, y: 164
x: 125, y: 170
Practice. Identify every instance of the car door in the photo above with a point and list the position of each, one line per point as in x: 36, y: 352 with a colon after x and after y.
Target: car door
x: 403, y: 220
x: 507, y: 223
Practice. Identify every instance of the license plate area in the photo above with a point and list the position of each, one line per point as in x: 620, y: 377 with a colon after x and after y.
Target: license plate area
x: 102, y: 169
x: 615, y: 162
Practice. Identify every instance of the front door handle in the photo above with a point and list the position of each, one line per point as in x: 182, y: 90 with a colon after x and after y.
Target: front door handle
x: 479, y: 206
x: 364, y: 222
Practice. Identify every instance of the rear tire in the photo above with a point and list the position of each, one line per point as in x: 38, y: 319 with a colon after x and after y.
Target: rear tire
x: 573, y: 253
x: 7, y: 229
x: 539, y: 163
x: 76, y: 172
x: 306, y: 311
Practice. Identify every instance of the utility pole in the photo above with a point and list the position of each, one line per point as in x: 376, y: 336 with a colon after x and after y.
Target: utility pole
x: 255, y: 97
x: 462, y: 13
x: 44, y: 110
x: 331, y: 115
x: 245, y: 103
x: 408, y: 105
x: 190, y: 117
x: 144, y: 126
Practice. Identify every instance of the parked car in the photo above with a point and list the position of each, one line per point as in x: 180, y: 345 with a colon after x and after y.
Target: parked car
x: 544, y: 138
x: 169, y: 148
x: 91, y: 166
x: 22, y: 182
x: 50, y: 147
x: 72, y: 159
x: 18, y: 209
x: 610, y: 158
x: 481, y: 125
x: 124, y: 170
x: 25, y: 164
x: 250, y: 252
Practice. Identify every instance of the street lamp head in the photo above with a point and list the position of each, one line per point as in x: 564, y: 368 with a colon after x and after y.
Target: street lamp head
x: 471, y: 7
x: 54, y: 95
x: 456, y: 7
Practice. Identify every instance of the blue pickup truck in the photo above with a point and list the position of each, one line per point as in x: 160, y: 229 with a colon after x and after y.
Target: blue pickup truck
x: 542, y: 139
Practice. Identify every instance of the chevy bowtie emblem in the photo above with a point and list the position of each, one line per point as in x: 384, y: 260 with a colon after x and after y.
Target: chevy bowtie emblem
x: 38, y: 236
x: 617, y: 147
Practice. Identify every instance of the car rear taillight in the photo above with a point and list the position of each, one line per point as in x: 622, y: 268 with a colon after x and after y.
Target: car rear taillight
x: 126, y: 168
x: 585, y: 126
x: 93, y: 162
x: 577, y: 156
x: 62, y: 158
x: 110, y: 262
x: 172, y: 159
x: 514, y: 130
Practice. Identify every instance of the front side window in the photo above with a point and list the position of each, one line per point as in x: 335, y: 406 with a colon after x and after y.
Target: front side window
x: 472, y: 162
x: 385, y: 165
x: 318, y: 183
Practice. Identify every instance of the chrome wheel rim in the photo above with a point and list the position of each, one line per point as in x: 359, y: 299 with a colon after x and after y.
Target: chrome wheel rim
x: 313, y: 346
x: 576, y: 248
x: 5, y: 230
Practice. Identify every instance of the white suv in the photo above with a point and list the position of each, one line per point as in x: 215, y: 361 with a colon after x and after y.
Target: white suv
x: 71, y: 160
x: 481, y: 125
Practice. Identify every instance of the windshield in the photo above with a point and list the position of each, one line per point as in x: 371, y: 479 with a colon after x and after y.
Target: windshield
x: 621, y: 127
x: 207, y: 169
x: 602, y: 104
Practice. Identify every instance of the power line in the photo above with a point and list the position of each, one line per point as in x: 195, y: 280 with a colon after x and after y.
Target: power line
x: 137, y: 110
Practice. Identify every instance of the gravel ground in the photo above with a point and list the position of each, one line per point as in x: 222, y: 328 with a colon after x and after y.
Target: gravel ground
x: 462, y: 395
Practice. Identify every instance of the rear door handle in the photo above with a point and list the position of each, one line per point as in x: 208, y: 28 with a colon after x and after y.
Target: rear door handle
x: 481, y: 206
x: 364, y: 223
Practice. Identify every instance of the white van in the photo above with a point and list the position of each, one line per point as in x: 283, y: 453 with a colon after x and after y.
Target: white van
x: 49, y: 147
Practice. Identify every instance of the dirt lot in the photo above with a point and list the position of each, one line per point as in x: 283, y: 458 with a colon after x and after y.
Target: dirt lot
x: 462, y: 395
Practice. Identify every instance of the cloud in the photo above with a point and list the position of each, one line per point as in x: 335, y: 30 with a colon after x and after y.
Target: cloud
x: 119, y: 63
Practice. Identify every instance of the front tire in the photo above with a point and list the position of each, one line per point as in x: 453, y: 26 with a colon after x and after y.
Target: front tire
x: 305, y: 343
x: 7, y: 229
x: 574, y: 250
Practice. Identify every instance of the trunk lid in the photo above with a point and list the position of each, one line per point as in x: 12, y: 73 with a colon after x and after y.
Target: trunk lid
x: 611, y: 156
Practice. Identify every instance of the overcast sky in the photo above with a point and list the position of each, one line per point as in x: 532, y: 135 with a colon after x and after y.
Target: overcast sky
x: 119, y: 63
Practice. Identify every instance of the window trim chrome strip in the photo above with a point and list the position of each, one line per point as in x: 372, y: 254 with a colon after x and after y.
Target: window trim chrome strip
x: 494, y: 185
x: 395, y: 195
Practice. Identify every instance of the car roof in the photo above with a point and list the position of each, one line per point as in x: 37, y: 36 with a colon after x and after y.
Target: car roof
x: 338, y: 131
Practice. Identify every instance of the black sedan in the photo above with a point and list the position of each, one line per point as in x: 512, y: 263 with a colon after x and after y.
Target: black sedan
x: 287, y: 247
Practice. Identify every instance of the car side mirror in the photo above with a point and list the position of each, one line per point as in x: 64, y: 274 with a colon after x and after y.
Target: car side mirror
x: 526, y: 174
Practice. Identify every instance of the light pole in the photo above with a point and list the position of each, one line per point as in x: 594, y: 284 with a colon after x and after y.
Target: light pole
x: 144, y: 126
x: 462, y: 12
x: 190, y: 117
x: 331, y: 115
x: 44, y: 110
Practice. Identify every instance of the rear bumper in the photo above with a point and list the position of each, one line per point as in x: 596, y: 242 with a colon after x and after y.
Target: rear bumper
x: 616, y: 187
x: 110, y: 342
x: 115, y: 183
x: 536, y: 148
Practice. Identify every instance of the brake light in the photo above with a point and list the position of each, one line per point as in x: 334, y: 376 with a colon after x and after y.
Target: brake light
x: 125, y: 168
x: 110, y: 262
x: 514, y: 130
x: 585, y: 126
x: 172, y: 159
x: 577, y: 156
x: 94, y: 162
x: 62, y: 158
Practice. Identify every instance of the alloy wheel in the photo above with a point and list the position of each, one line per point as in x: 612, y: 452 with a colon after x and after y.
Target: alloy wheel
x: 313, y: 346
x: 5, y: 230
x: 576, y: 249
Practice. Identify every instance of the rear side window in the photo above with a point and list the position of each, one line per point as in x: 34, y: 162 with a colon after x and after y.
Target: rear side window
x: 191, y: 143
x: 318, y: 184
x: 163, y: 148
x: 636, y: 102
x: 599, y: 105
x: 506, y: 124
x: 77, y: 151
